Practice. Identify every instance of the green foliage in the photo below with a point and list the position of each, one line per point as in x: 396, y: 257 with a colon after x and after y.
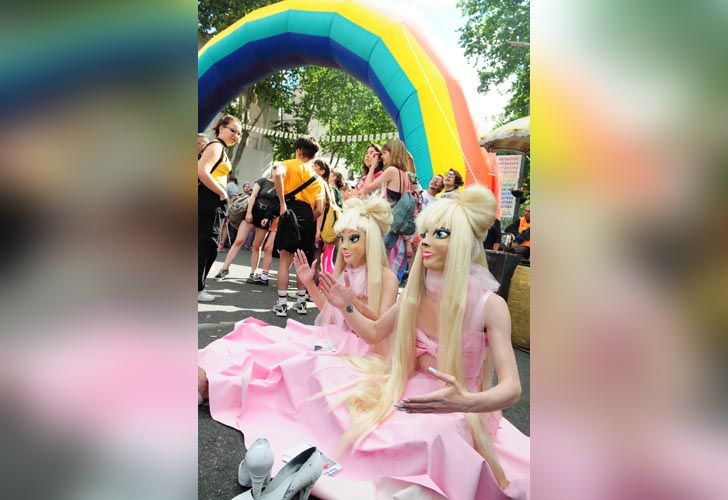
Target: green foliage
x: 340, y: 103
x: 214, y: 16
x: 489, y: 26
x: 346, y: 107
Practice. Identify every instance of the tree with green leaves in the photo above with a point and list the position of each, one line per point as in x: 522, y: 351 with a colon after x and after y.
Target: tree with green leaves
x: 489, y: 27
x: 344, y: 106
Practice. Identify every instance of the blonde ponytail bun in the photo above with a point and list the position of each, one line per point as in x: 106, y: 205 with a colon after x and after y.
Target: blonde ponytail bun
x: 479, y: 205
x: 380, y: 211
x: 357, y: 211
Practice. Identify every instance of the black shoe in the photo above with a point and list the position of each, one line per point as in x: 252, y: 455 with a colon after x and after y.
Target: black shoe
x: 221, y: 275
x: 256, y: 280
x: 300, y: 308
x: 281, y: 310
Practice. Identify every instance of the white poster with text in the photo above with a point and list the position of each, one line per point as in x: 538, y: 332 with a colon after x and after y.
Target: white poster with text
x: 509, y: 167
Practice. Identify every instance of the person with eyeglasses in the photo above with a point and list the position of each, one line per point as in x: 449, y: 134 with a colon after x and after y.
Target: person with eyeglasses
x: 452, y: 182
x: 213, y: 167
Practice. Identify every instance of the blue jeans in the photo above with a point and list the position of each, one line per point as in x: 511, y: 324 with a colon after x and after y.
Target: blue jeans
x: 389, y: 240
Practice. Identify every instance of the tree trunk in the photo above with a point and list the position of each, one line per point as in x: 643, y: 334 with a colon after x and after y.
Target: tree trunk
x: 240, y: 148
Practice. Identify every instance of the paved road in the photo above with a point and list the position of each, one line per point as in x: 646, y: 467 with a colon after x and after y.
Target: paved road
x: 220, y: 448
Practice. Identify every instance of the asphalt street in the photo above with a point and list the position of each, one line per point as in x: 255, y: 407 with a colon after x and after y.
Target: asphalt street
x: 220, y: 448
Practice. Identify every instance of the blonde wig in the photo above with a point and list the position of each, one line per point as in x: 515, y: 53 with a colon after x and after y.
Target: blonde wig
x: 373, y: 217
x: 398, y: 154
x: 468, y: 217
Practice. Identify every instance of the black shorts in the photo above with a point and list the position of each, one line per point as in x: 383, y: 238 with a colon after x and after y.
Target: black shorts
x: 306, y: 227
x: 265, y: 209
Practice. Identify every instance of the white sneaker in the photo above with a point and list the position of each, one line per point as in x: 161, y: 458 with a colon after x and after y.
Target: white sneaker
x: 203, y: 296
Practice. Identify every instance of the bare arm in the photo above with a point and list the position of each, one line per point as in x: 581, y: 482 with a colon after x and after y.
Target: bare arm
x: 507, y: 391
x: 204, y: 167
x: 278, y: 173
x: 318, y: 210
x: 339, y: 296
x: 371, y: 184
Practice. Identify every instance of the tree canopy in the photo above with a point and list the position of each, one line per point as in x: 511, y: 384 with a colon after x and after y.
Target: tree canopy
x: 489, y: 26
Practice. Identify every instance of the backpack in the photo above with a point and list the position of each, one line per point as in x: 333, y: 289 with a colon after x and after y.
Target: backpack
x: 238, y: 209
x: 403, y: 214
x: 417, y: 194
x: 331, y: 215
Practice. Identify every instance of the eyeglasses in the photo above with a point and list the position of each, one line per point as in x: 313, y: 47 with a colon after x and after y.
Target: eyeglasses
x: 234, y: 131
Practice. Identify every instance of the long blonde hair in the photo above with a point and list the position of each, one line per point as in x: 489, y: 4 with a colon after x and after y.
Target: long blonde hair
x: 468, y: 217
x: 373, y: 217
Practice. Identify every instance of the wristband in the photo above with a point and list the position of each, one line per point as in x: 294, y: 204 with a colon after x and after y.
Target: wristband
x: 349, y: 308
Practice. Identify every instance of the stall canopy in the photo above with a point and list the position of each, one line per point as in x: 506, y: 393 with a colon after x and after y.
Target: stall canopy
x: 513, y: 136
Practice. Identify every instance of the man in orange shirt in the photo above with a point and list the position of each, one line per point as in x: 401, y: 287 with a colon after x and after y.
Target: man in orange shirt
x: 307, y: 205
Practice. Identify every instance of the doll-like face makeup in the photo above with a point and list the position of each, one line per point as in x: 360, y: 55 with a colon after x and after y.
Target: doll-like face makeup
x: 433, y: 247
x: 352, y: 245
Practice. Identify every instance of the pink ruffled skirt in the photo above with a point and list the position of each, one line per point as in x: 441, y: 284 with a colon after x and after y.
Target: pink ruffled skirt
x: 268, y: 382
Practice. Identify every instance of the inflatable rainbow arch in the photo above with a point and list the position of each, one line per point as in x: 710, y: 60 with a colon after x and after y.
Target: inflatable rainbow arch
x: 415, y: 88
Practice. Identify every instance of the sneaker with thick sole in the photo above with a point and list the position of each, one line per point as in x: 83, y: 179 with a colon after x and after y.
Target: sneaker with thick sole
x: 203, y: 296
x: 256, y: 280
x: 222, y: 274
x: 300, y: 308
x: 281, y: 310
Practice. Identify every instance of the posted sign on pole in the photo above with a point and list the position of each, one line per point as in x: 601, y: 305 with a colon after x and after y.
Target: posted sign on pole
x: 509, y: 167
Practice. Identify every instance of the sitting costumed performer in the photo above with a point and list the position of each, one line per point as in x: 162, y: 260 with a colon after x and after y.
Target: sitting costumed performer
x: 430, y: 415
x: 250, y: 355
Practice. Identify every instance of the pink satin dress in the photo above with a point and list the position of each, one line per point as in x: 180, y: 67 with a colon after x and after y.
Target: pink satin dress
x: 296, y: 399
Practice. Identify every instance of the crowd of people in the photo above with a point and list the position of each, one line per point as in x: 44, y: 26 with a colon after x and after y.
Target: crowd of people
x: 388, y: 169
x: 398, y: 386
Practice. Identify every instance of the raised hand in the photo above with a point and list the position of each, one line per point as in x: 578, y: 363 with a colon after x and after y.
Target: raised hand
x: 450, y: 399
x: 337, y: 294
x: 303, y: 270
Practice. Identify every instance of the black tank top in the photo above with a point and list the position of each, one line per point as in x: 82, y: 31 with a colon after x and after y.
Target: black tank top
x: 394, y: 196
